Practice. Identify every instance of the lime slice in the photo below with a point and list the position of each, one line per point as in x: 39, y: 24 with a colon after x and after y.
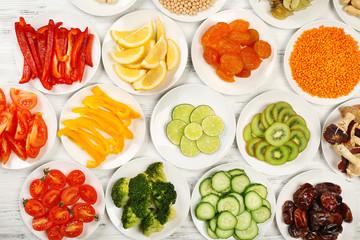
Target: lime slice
x: 212, y: 125
x: 208, y: 144
x: 182, y: 112
x: 175, y: 130
x: 188, y: 147
x: 193, y: 131
x: 200, y: 113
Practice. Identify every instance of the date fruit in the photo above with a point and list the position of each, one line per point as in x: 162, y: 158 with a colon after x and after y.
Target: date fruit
x: 288, y: 212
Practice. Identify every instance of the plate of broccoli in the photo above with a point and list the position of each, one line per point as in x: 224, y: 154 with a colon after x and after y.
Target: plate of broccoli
x: 147, y: 198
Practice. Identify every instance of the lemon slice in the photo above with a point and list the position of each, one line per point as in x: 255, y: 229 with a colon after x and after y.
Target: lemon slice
x: 157, y: 53
x: 148, y: 47
x: 116, y: 35
x: 139, y: 37
x: 173, y: 55
x: 128, y: 56
x: 152, y: 79
x: 119, y: 48
x: 159, y: 29
x: 127, y: 74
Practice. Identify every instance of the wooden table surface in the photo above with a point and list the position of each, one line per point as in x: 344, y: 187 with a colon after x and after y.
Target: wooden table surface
x: 11, y: 223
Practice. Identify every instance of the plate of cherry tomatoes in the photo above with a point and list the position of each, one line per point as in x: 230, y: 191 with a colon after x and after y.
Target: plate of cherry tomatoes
x: 234, y: 52
x: 27, y: 126
x: 62, y: 199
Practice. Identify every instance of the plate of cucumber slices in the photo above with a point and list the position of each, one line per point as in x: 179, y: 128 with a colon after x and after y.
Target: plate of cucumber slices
x: 232, y: 201
x: 192, y: 126
x: 278, y: 132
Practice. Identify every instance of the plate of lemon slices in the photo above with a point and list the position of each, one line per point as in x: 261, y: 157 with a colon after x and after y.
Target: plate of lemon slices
x: 144, y: 52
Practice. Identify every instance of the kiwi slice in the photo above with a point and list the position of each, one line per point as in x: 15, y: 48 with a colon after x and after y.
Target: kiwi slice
x: 296, y: 119
x: 302, y: 128
x: 299, y: 138
x: 277, y: 134
x: 256, y: 126
x: 285, y: 113
x: 259, y: 150
x: 247, y: 133
x: 278, y: 107
x: 263, y: 120
x: 277, y: 155
x: 250, y: 145
x: 268, y: 114
x: 294, y: 149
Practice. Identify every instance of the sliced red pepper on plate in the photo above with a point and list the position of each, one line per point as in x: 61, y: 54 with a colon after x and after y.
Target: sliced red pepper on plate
x: 81, y: 61
x: 29, y: 30
x: 68, y: 69
x: 76, y: 47
x: 61, y: 41
x: 17, y: 146
x: 5, y: 149
x: 55, y: 71
x: 48, y: 56
x: 22, y: 126
x: 26, y: 73
x: 88, y: 50
x: 41, y: 43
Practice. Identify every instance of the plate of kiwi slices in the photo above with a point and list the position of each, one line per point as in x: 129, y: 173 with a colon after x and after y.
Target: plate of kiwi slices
x: 278, y: 132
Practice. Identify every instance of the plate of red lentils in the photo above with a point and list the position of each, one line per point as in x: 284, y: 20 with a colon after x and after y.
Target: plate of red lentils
x: 189, y: 10
x: 322, y: 62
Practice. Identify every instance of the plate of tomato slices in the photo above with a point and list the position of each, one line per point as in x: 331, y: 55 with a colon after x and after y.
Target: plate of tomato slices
x: 72, y: 60
x: 62, y: 199
x: 27, y: 126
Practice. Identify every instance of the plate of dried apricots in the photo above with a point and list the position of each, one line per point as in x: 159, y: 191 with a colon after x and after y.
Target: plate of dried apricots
x: 234, y: 52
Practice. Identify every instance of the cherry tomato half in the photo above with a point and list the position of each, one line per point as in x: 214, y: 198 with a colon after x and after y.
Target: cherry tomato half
x: 84, y: 212
x: 51, y: 198
x: 72, y: 228
x: 38, y: 188
x: 23, y: 99
x: 75, y: 178
x: 2, y: 100
x: 55, y: 179
x: 88, y: 194
x: 38, y: 133
x: 59, y: 215
x: 41, y: 223
x: 70, y: 195
x: 54, y: 233
x: 34, y: 207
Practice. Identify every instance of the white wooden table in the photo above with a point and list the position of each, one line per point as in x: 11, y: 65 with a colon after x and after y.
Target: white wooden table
x: 11, y: 224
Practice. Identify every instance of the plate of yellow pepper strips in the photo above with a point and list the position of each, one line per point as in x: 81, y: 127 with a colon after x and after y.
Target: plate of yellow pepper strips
x: 102, y: 127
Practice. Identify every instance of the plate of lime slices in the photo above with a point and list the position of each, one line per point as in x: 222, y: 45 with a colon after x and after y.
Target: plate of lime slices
x: 192, y: 130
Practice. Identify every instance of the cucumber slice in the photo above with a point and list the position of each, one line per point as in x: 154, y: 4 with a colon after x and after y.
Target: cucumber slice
x: 224, y: 233
x: 239, y: 183
x: 188, y: 147
x: 258, y: 188
x: 261, y: 215
x: 212, y: 125
x: 243, y: 221
x: 201, y: 112
x: 175, y: 130
x: 267, y: 204
x: 241, y: 201
x: 210, y: 232
x: 211, y: 198
x: 204, y: 211
x: 249, y: 233
x: 220, y: 181
x: 253, y: 200
x: 205, y: 187
x: 207, y: 144
x: 182, y: 112
x: 212, y: 223
x: 226, y: 221
x: 236, y: 171
x: 228, y: 203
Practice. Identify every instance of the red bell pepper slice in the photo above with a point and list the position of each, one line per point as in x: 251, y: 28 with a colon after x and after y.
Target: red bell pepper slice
x: 76, y: 47
x: 26, y: 73
x: 55, y: 73
x: 81, y: 61
x: 48, y: 56
x: 29, y: 30
x: 88, y: 57
x: 61, y: 44
x: 41, y: 42
x: 68, y: 69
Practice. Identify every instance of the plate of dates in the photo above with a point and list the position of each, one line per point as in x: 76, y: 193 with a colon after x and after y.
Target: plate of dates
x: 317, y: 204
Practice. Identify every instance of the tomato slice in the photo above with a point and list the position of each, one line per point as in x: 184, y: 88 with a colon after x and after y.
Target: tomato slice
x: 17, y: 146
x: 88, y: 194
x: 70, y: 195
x: 38, y: 188
x: 22, y: 126
x: 34, y: 207
x: 41, y: 223
x: 55, y: 179
x: 2, y: 100
x: 38, y: 133
x: 75, y: 178
x: 84, y: 212
x: 59, y: 214
x: 5, y: 149
x: 72, y: 228
x: 5, y: 117
x: 51, y: 198
x: 54, y: 233
x: 23, y: 99
x: 12, y: 123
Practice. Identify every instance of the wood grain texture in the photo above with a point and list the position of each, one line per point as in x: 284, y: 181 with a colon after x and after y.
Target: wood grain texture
x: 12, y: 226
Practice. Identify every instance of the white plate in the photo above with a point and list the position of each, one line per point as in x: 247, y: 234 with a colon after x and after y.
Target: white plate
x: 348, y: 19
x: 196, y: 95
x: 311, y: 13
x: 187, y: 18
x: 302, y: 108
x: 207, y: 72
x: 254, y: 176
x: 330, y: 156
x: 69, y: 20
x: 103, y: 9
x: 136, y: 20
x: 66, y: 168
x: 137, y: 127
x: 182, y: 204
x: 43, y: 106
x: 290, y: 47
x: 314, y: 177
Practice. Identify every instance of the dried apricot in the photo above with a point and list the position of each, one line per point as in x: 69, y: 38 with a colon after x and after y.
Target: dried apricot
x: 250, y: 58
x: 239, y: 37
x: 239, y: 25
x: 231, y: 64
x: 263, y: 49
x: 214, y: 34
x: 224, y: 75
x: 254, y: 36
x: 211, y: 56
x: 244, y: 73
x: 226, y: 45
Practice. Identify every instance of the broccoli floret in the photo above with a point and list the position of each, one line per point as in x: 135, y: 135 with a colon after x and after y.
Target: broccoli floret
x: 150, y: 224
x: 155, y: 172
x: 120, y: 192
x: 164, y: 195
x: 129, y: 218
x: 140, y: 188
x: 140, y: 208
